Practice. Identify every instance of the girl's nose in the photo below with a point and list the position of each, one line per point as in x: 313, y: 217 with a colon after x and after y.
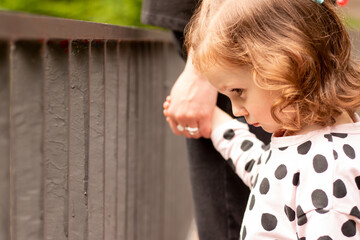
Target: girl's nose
x: 239, y: 111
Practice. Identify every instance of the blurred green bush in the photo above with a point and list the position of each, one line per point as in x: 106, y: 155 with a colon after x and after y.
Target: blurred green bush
x: 119, y: 12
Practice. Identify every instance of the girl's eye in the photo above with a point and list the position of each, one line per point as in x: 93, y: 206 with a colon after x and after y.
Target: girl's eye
x: 237, y: 91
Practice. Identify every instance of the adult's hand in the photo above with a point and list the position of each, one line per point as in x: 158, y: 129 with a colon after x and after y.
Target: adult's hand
x: 193, y: 100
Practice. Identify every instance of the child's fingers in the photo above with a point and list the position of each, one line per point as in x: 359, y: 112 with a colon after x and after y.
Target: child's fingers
x: 166, y: 113
x: 166, y: 105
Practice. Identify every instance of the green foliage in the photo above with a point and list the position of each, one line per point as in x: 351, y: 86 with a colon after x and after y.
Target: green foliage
x: 352, y: 23
x: 119, y: 12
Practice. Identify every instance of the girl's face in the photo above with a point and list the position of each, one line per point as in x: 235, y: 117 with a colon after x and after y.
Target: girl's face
x: 248, y: 100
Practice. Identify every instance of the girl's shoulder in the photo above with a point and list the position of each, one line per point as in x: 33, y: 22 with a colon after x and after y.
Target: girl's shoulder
x: 349, y: 132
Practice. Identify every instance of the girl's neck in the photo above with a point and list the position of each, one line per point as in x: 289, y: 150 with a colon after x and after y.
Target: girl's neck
x: 341, y: 119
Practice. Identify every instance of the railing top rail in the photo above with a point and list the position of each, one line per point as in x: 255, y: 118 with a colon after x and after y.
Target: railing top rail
x: 16, y: 26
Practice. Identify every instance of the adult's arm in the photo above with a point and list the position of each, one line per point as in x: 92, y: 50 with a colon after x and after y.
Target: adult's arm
x: 193, y: 100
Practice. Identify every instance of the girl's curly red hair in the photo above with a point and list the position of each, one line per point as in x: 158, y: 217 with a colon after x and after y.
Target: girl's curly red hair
x: 298, y: 47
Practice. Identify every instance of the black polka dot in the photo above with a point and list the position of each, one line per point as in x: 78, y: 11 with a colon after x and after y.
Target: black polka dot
x: 283, y: 148
x: 349, y: 151
x: 319, y: 199
x: 265, y: 147
x: 321, y: 210
x: 259, y: 161
x: 268, y: 221
x: 349, y: 228
x: 324, y: 238
x: 304, y: 148
x: 339, y: 135
x: 243, y: 235
x: 335, y: 155
x: 281, y: 172
x: 268, y: 157
x: 357, y: 181
x: 256, y: 179
x: 301, y: 216
x: 320, y: 163
x: 290, y: 213
x: 246, y: 145
x: 355, y: 212
x: 249, y: 165
x: 252, y: 202
x: 329, y: 137
x: 339, y: 189
x: 229, y: 134
x: 296, y: 179
x: 264, y: 186
x: 297, y: 236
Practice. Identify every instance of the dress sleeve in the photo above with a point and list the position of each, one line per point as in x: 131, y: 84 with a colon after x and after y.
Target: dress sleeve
x: 327, y: 225
x: 234, y: 141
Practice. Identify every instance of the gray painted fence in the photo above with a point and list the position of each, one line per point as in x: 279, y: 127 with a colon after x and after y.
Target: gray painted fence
x: 85, y: 153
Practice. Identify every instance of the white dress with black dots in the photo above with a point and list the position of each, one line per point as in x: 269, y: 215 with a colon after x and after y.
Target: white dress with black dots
x: 302, y: 187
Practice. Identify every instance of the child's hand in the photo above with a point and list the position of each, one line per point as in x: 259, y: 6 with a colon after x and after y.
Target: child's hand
x: 219, y: 116
x: 188, y: 130
x: 166, y: 106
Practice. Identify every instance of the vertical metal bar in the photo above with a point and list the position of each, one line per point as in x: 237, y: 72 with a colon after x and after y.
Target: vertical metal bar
x: 26, y: 132
x: 96, y: 142
x: 111, y: 78
x: 78, y: 139
x: 11, y: 147
x: 4, y: 141
x: 132, y: 157
x: 56, y: 139
x: 140, y: 158
x: 123, y: 56
x: 151, y: 190
x: 157, y: 79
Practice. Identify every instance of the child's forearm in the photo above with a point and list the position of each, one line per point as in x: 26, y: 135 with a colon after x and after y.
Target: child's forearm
x: 220, y: 117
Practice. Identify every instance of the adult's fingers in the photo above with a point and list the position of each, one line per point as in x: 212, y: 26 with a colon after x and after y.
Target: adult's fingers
x: 174, y: 126
x: 191, y: 129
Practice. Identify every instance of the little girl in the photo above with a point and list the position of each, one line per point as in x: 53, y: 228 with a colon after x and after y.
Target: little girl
x: 286, y: 66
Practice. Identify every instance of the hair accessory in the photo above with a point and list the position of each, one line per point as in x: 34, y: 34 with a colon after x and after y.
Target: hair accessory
x: 342, y: 2
x: 319, y: 1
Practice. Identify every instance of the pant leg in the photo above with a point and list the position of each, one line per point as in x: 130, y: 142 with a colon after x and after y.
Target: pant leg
x: 213, y: 186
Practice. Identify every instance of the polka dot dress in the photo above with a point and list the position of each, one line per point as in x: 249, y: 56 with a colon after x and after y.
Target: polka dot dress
x: 303, y: 187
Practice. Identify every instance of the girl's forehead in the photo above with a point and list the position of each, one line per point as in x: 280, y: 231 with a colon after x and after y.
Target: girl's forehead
x: 229, y: 71
x: 225, y: 78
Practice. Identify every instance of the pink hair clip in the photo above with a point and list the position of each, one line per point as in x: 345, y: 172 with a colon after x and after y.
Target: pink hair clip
x: 342, y: 2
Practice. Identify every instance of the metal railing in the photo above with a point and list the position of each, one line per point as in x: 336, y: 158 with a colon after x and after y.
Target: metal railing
x: 85, y: 153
